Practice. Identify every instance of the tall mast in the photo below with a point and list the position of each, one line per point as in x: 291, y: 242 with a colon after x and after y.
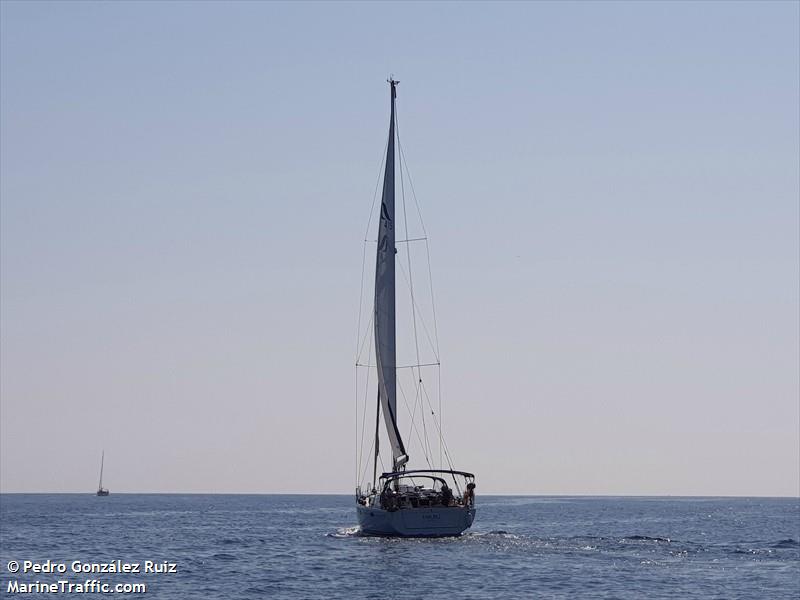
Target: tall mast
x: 385, y: 330
x: 102, y: 460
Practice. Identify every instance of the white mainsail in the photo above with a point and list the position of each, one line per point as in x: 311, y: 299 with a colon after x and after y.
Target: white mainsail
x: 385, y: 338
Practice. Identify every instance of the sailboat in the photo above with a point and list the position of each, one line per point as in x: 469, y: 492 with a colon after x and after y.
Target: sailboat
x: 101, y: 491
x: 403, y: 502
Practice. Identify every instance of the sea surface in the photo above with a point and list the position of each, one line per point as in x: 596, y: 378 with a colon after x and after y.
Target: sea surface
x: 298, y: 547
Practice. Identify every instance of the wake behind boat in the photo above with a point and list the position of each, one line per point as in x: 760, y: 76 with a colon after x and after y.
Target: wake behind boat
x: 420, y: 502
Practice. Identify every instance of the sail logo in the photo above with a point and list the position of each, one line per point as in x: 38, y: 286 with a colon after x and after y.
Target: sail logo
x: 385, y: 215
x: 386, y: 221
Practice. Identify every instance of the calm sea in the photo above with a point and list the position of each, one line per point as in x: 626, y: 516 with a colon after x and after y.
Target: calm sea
x: 282, y: 546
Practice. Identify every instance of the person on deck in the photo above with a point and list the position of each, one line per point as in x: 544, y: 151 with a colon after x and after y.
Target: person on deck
x: 469, y: 495
x: 447, y: 495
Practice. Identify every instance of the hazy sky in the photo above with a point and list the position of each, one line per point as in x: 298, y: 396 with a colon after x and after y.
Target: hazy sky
x: 611, y: 192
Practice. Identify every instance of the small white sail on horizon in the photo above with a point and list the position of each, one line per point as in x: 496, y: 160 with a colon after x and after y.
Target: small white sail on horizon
x: 101, y: 491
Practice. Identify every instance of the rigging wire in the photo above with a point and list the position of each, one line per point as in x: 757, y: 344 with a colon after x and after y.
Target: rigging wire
x: 413, y: 192
x: 364, y: 416
x: 364, y: 246
x: 422, y: 319
x: 414, y: 426
x: 444, y: 444
x: 441, y: 416
x: 359, y: 342
x: 359, y: 442
x: 410, y: 276
x: 366, y: 335
x: 440, y: 425
x: 433, y: 303
x: 437, y: 350
x: 366, y: 465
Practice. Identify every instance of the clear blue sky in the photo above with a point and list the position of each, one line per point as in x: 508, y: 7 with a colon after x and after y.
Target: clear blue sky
x: 611, y: 191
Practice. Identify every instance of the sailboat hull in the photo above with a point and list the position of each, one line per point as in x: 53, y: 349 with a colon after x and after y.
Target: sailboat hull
x: 435, y: 521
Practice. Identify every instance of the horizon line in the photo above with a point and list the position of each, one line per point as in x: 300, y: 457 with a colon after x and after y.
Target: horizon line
x: 492, y: 494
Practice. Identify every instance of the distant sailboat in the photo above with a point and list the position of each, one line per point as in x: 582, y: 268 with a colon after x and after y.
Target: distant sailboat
x: 101, y: 491
x: 405, y: 503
